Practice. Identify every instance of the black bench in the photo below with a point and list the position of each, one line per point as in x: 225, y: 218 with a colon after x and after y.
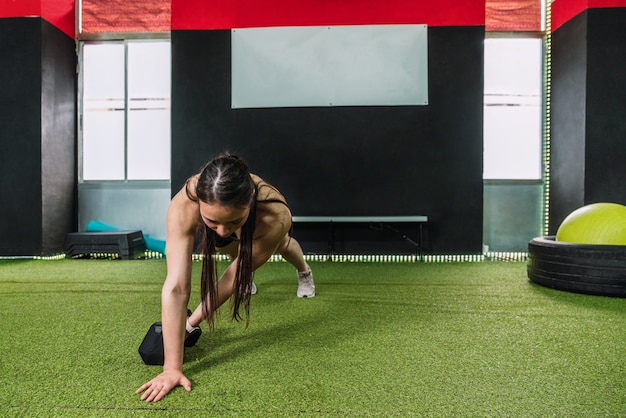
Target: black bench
x: 381, y: 220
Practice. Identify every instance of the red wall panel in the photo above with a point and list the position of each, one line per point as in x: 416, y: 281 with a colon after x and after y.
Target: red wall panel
x: 20, y: 8
x: 60, y: 13
x: 564, y: 10
x: 220, y: 14
x: 154, y: 15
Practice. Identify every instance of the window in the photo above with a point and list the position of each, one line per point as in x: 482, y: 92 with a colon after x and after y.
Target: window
x: 513, y: 108
x: 125, y: 110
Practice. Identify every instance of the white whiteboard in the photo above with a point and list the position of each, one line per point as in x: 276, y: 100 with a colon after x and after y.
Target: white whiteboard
x: 365, y: 65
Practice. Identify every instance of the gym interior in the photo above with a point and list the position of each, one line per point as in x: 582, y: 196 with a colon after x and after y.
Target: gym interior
x: 402, y: 160
x: 412, y: 167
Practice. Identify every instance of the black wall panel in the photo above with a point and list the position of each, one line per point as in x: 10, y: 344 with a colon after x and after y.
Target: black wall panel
x: 58, y: 133
x: 37, y: 137
x: 588, y: 112
x: 606, y: 106
x: 20, y: 136
x: 569, y: 84
x: 410, y: 160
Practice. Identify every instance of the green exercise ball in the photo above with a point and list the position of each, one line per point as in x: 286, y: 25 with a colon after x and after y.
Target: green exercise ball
x: 597, y: 223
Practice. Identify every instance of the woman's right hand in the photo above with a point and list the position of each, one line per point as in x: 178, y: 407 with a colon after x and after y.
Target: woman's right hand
x: 157, y: 388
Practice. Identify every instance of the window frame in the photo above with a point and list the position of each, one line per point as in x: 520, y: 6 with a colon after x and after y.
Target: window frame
x: 539, y: 36
x: 113, y: 39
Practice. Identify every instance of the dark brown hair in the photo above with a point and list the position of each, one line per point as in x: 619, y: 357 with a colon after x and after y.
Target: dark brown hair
x: 225, y: 180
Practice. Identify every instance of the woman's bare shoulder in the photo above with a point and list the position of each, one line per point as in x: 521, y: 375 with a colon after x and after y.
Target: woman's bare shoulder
x: 189, y: 188
x: 273, y: 221
x: 183, y: 213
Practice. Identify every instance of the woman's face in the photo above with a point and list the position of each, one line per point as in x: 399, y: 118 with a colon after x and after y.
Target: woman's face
x: 224, y: 220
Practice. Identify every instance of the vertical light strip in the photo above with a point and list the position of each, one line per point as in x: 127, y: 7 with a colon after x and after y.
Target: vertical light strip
x: 80, y: 107
x: 78, y: 16
x: 547, y: 84
x: 126, y: 110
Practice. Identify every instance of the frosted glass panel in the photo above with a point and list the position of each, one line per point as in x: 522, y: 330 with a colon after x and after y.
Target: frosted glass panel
x: 103, y: 148
x: 375, y: 65
x: 149, y: 69
x: 512, y: 142
x: 103, y: 112
x: 149, y: 82
x: 512, y: 113
x: 513, y: 66
x: 149, y: 144
x: 103, y: 66
x: 126, y: 110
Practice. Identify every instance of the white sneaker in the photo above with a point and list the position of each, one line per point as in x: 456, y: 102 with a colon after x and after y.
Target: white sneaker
x: 306, y: 287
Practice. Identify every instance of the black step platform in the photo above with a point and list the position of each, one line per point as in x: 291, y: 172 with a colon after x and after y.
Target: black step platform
x: 127, y: 245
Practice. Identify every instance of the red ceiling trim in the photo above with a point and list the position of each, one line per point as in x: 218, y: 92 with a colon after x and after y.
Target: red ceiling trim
x: 565, y: 10
x: 60, y: 13
x: 156, y: 15
x: 222, y: 14
x: 20, y: 8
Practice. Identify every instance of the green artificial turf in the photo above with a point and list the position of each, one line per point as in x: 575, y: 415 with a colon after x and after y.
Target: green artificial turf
x: 465, y: 339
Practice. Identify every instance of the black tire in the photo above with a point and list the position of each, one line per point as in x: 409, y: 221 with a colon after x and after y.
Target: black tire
x: 580, y: 268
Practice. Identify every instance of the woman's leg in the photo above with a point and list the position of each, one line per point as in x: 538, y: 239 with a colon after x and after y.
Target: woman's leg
x: 292, y: 252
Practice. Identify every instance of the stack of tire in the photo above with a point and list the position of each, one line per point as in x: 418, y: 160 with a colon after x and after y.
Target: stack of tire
x: 587, y: 255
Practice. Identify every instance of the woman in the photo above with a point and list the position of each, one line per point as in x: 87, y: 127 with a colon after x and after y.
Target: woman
x: 238, y: 214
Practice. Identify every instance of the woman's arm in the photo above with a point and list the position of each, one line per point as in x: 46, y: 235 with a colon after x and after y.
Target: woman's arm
x: 182, y: 219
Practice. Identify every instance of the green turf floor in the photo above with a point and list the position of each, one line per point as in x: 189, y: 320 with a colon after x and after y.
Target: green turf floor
x: 437, y: 340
